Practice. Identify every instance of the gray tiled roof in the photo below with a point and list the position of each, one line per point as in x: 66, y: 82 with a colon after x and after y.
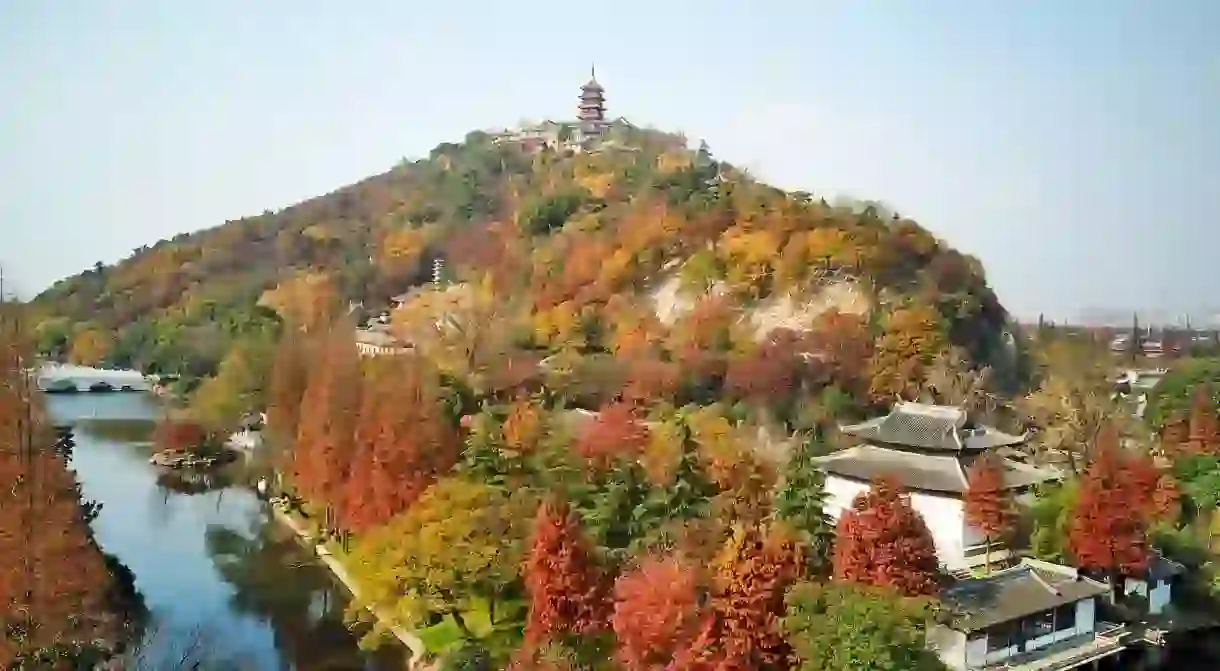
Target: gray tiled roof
x: 944, y: 473
x: 1029, y: 588
x: 930, y: 427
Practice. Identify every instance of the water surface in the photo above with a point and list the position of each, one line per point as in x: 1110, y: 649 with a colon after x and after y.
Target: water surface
x: 212, y: 565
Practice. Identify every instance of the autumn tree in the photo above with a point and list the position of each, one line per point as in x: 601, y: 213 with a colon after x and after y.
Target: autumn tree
x: 329, y: 410
x: 1174, y: 434
x: 656, y: 612
x: 912, y: 338
x: 459, y: 548
x: 768, y: 372
x: 881, y: 540
x: 840, y: 626
x: 649, y: 380
x: 53, y: 579
x: 1108, y: 532
x: 180, y: 435
x: 741, y: 629
x: 289, y: 377
x: 1204, y: 435
x: 613, y: 434
x: 404, y: 443
x: 90, y: 346
x: 843, y: 345
x: 988, y: 505
x: 567, y: 591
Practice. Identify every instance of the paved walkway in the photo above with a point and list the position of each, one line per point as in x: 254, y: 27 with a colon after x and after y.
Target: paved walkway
x: 413, y: 642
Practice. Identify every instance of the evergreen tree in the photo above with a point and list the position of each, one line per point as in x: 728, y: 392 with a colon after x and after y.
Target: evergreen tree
x: 800, y: 502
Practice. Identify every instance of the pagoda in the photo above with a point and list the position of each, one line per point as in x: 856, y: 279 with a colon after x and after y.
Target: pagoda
x: 927, y: 449
x: 592, y: 108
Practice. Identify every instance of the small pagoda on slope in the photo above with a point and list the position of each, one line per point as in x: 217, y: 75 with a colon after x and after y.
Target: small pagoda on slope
x: 589, y: 130
x: 927, y: 449
x: 592, y: 109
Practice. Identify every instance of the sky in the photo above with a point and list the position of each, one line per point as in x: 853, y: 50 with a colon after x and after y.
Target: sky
x: 1072, y: 145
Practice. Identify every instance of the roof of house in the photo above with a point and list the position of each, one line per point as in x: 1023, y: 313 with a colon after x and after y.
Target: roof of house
x: 1161, y: 567
x: 931, y: 427
x: 375, y: 338
x: 1028, y: 588
x: 945, y: 473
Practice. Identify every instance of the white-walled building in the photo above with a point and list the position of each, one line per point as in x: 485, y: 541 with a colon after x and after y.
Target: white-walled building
x: 1155, y: 586
x: 927, y: 449
x: 1033, y: 617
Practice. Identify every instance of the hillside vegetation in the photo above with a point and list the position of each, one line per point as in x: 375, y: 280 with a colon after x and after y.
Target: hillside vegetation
x: 646, y: 261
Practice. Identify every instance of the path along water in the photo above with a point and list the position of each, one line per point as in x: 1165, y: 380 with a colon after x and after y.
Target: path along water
x: 212, y: 564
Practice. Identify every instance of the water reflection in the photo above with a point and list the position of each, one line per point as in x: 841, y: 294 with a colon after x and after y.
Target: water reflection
x: 212, y: 566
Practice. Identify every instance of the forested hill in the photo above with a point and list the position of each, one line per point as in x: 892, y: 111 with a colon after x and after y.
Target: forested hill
x: 576, y: 251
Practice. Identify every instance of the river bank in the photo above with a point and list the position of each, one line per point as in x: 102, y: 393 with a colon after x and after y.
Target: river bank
x: 414, y: 644
x: 218, y: 572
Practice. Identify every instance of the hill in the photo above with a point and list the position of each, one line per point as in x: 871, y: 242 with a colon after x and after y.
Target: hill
x: 638, y: 250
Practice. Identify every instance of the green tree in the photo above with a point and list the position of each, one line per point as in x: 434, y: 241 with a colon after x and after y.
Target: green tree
x: 238, y: 387
x: 800, y: 502
x: 840, y: 626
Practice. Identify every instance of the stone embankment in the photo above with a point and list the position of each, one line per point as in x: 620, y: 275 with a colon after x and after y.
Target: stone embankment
x: 413, y: 642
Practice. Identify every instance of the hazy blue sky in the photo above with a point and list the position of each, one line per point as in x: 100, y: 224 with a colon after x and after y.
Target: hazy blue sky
x: 1073, y: 145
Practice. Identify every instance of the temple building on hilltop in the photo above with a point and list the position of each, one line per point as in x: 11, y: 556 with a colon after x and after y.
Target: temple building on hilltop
x: 588, y: 129
x: 928, y: 449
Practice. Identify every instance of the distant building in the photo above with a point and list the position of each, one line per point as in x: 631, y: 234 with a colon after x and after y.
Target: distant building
x: 928, y: 448
x: 1036, y: 616
x: 378, y: 342
x: 587, y: 129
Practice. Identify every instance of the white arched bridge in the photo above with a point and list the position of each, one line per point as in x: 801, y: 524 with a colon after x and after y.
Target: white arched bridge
x: 54, y: 377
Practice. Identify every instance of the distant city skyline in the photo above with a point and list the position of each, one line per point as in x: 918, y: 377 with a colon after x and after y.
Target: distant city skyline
x: 1073, y: 147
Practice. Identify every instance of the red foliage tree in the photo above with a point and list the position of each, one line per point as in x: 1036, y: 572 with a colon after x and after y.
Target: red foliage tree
x: 1107, y: 532
x: 656, y: 609
x: 771, y: 371
x: 882, y: 541
x: 329, y: 410
x: 741, y: 630
x: 844, y: 345
x: 179, y: 435
x: 988, y: 506
x: 404, y: 443
x: 1175, y: 433
x: 648, y: 379
x: 54, y: 581
x: 615, y: 433
x: 566, y: 590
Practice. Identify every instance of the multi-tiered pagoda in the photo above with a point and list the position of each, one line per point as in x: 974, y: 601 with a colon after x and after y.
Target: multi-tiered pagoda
x: 592, y: 114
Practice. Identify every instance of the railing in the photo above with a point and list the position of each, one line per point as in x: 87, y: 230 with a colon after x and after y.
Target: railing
x: 1069, y: 654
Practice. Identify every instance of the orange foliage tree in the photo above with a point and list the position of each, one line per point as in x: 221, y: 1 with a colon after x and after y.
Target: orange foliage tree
x: 567, y: 592
x: 53, y: 578
x: 329, y: 410
x: 656, y: 609
x: 913, y: 337
x: 1108, y: 529
x: 844, y: 346
x: 404, y: 443
x: 741, y: 628
x: 615, y: 433
x: 988, y: 506
x: 289, y: 376
x: 882, y: 541
x: 179, y: 435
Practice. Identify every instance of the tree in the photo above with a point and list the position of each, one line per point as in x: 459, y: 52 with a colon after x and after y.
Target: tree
x: 988, y: 506
x: 404, y: 443
x: 769, y: 372
x: 90, y: 346
x: 1166, y: 500
x: 800, y: 502
x: 289, y: 377
x: 912, y: 338
x: 236, y: 389
x: 882, y: 541
x: 836, y: 626
x: 656, y: 612
x: 329, y: 410
x: 459, y: 548
x: 566, y: 589
x: 54, y: 581
x: 613, y: 434
x: 1107, y: 532
x: 180, y: 435
x: 741, y: 629
x: 1204, y: 436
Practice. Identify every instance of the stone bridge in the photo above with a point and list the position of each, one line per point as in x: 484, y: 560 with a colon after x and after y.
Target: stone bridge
x: 55, y: 377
